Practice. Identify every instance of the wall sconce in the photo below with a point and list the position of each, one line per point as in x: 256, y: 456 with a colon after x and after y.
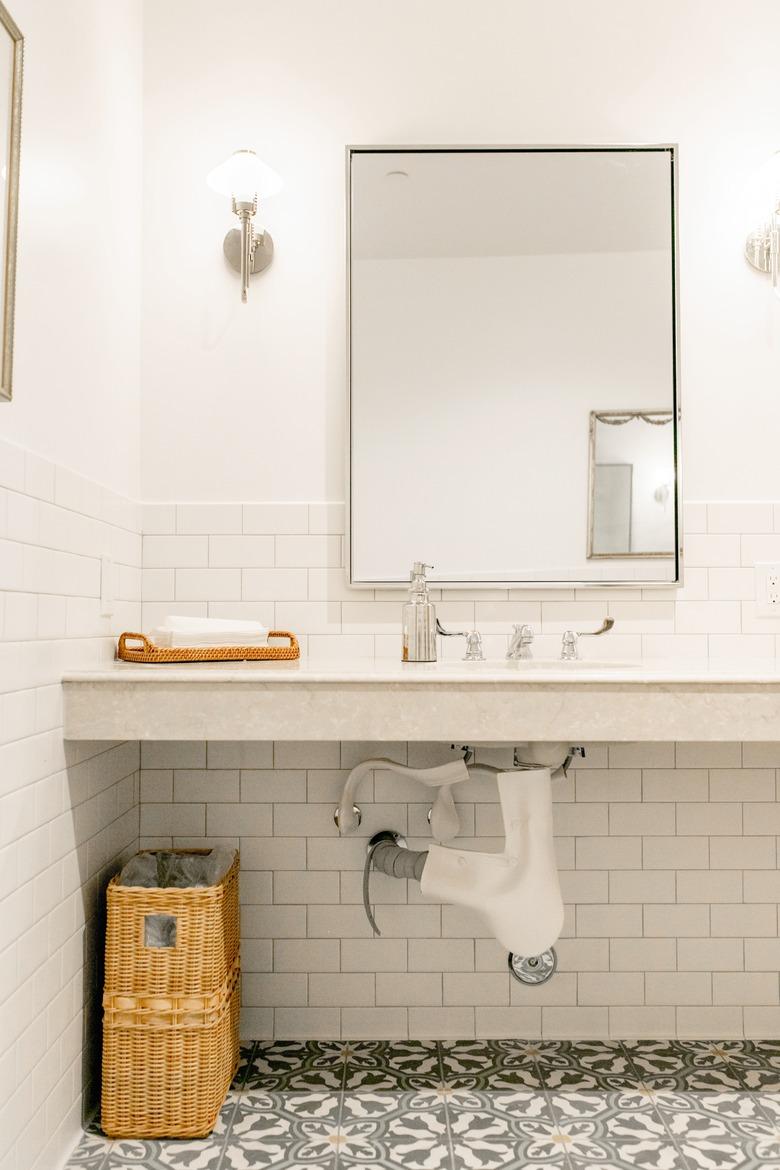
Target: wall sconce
x: 244, y: 179
x: 762, y: 247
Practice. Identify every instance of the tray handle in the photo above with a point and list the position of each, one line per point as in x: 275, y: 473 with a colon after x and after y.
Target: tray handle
x: 286, y: 634
x: 123, y: 647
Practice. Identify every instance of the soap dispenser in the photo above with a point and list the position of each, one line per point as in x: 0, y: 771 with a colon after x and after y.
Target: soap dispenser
x: 419, y: 619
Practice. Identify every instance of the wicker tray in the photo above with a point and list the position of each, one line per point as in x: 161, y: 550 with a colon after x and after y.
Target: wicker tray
x: 148, y: 652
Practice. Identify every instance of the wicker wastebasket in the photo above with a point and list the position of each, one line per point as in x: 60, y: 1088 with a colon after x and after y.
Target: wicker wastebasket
x: 170, y: 1013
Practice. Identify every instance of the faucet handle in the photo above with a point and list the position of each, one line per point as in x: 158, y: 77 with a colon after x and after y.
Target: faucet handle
x: 569, y: 649
x: 474, y: 651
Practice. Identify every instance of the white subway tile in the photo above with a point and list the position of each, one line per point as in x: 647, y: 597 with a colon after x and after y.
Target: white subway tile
x: 276, y: 519
x: 739, y: 517
x: 742, y: 987
x: 702, y: 1023
x: 642, y: 954
x: 716, y: 885
x: 274, y: 584
x: 378, y: 954
x: 674, y: 921
x: 331, y: 990
x: 712, y: 551
x: 608, y: 852
x: 208, y: 584
x: 708, y: 617
x: 645, y: 1022
x: 327, y: 518
x: 508, y: 1022
x: 709, y: 954
x: 743, y: 852
x: 756, y: 549
x: 610, y: 988
x: 709, y: 755
x: 418, y: 989
x: 574, y: 1023
x: 761, y: 954
x: 175, y: 552
x: 308, y: 551
x: 608, y: 921
x: 307, y: 1023
x: 762, y: 1023
x: 678, y: 987
x: 444, y: 1023
x: 282, y: 989
x: 207, y: 519
x: 641, y: 755
x: 732, y: 584
x: 640, y: 885
x: 761, y: 885
x: 241, y: 551
x: 372, y: 1023
x: 739, y: 921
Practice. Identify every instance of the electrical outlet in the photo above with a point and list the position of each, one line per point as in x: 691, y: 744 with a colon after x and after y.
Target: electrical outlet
x: 768, y: 590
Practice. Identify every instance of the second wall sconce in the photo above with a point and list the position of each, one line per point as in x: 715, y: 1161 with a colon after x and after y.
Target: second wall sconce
x: 762, y: 247
x: 244, y: 178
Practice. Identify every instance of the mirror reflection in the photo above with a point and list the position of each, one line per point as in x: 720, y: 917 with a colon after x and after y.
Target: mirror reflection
x: 632, y: 499
x: 497, y: 298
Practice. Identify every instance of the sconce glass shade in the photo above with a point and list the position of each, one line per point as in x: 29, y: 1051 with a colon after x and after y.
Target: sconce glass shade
x: 243, y: 176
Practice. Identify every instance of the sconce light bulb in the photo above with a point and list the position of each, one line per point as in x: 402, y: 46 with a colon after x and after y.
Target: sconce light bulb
x: 244, y: 177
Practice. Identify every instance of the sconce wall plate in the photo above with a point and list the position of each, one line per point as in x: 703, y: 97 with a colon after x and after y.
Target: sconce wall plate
x: 261, y: 256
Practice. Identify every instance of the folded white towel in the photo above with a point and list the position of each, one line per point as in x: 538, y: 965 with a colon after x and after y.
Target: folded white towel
x: 179, y: 630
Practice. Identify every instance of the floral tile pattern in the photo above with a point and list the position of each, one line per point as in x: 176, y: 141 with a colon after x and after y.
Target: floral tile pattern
x: 481, y: 1105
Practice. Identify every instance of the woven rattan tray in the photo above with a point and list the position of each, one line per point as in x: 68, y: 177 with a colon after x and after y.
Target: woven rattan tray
x: 148, y: 652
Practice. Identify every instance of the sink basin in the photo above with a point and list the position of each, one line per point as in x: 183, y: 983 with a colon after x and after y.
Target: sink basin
x: 574, y: 664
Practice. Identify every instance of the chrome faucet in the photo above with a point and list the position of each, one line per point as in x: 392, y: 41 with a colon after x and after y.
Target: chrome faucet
x: 569, y: 647
x: 520, y: 642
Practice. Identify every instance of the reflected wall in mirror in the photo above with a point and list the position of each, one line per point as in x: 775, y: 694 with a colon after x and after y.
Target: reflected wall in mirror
x: 632, y: 498
x: 11, y: 50
x: 496, y: 296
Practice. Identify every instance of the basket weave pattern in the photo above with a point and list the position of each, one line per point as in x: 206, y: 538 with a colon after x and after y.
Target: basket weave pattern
x: 171, y: 1014
x: 164, y: 1075
x: 207, y: 938
x: 148, y: 652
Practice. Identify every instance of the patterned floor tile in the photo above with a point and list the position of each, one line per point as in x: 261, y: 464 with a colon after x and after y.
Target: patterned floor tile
x: 279, y: 1065
x: 392, y: 1065
x: 490, y: 1064
x: 482, y: 1105
x: 585, y: 1066
x: 406, y: 1129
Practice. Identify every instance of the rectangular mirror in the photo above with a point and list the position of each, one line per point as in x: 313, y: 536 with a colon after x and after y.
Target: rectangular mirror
x: 513, y: 398
x: 11, y: 50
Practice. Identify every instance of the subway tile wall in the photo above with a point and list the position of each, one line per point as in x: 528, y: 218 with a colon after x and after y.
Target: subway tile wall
x: 668, y: 854
x: 68, y: 812
x: 281, y: 564
x: 668, y: 863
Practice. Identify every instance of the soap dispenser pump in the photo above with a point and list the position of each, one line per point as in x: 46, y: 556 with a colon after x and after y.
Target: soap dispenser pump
x: 419, y: 619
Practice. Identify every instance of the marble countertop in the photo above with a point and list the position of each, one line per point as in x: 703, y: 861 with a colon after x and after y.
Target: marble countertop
x: 384, y: 700
x: 642, y: 672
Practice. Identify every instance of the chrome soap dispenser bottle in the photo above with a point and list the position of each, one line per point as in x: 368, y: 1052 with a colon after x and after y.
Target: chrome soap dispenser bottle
x: 419, y: 619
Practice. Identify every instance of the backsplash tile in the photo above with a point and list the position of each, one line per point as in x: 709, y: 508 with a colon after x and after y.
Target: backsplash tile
x: 282, y: 564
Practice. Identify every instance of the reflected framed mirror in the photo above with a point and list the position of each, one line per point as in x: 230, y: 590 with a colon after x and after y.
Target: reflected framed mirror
x: 632, y: 479
x: 506, y: 306
x: 11, y: 62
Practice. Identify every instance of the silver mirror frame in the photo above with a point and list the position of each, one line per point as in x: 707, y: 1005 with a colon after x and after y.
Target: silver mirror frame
x: 12, y: 209
x: 676, y: 410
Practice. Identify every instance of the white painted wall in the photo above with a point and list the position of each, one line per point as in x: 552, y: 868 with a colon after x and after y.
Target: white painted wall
x: 246, y: 402
x: 76, y: 367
